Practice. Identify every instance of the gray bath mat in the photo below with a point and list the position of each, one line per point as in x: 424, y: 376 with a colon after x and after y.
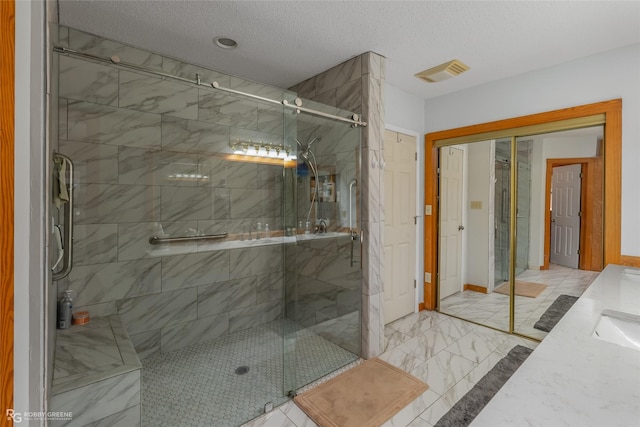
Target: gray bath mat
x: 467, y: 408
x: 554, y: 313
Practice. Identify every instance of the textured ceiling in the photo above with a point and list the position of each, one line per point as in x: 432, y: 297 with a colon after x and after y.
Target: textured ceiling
x: 283, y: 43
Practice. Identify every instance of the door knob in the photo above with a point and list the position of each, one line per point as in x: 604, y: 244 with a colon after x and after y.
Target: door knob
x: 461, y: 227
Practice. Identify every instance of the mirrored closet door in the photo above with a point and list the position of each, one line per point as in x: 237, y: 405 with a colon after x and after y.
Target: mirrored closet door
x: 517, y: 236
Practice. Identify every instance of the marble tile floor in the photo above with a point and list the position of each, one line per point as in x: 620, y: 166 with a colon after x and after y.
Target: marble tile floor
x: 493, y: 309
x: 198, y: 386
x: 449, y: 354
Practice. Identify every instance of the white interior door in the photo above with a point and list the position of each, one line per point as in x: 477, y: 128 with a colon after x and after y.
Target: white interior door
x: 565, y: 215
x: 451, y: 174
x: 400, y: 227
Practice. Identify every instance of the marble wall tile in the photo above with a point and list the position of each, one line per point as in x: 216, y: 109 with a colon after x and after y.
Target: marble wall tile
x: 144, y: 167
x: 253, y: 261
x: 270, y: 176
x: 270, y: 287
x: 337, y: 269
x: 130, y: 417
x: 242, y: 175
x: 89, y: 43
x: 191, y: 136
x: 147, y: 344
x: 104, y: 203
x: 221, y: 203
x: 213, y: 227
x: 186, y: 203
x: 87, y: 81
x: 89, y: 122
x: 339, y: 75
x: 62, y: 118
x: 98, y: 310
x: 270, y: 119
x: 98, y: 400
x: 372, y: 276
x: 150, y: 312
x: 94, y: 163
x: 257, y: 315
x: 371, y: 186
x: 193, y: 332
x: 142, y: 92
x: 63, y: 36
x: 372, y: 326
x: 349, y: 96
x: 271, y: 206
x: 306, y: 88
x: 189, y: 71
x: 185, y: 271
x: 227, y: 110
x: 327, y: 98
x: 99, y: 283
x: 226, y: 296
x: 246, y: 202
x: 260, y: 89
x: 95, y: 243
x: 215, y: 170
x: 133, y: 237
x: 372, y: 64
x: 375, y: 114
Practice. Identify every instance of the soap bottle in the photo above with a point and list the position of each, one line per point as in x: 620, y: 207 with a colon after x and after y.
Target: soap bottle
x: 65, y: 307
x: 266, y: 230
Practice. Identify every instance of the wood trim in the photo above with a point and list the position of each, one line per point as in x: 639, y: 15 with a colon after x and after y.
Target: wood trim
x: 612, y: 110
x: 475, y: 288
x: 630, y: 261
x: 431, y: 223
x: 7, y: 136
x: 420, y: 306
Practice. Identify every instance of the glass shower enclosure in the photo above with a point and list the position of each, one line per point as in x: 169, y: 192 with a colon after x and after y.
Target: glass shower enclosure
x: 218, y: 223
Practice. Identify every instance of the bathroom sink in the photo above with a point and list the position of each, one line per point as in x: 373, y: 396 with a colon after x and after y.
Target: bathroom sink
x: 618, y: 328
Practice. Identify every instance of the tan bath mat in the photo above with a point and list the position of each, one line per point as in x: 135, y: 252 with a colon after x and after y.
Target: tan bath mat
x: 523, y: 289
x: 365, y: 396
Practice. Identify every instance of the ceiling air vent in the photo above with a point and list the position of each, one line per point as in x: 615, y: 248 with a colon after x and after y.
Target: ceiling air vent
x: 443, y: 71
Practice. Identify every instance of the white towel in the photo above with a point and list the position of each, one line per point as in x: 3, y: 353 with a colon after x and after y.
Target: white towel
x: 61, y: 194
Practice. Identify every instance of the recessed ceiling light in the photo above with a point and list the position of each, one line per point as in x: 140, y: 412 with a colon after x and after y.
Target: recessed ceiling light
x: 443, y: 71
x: 225, y: 42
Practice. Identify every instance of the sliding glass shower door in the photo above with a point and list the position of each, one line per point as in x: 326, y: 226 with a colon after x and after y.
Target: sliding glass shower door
x: 322, y: 259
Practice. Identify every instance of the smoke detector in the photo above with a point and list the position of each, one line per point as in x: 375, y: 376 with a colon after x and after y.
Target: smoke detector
x: 443, y: 71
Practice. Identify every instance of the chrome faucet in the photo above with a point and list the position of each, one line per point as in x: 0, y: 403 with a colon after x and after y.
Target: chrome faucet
x: 322, y: 227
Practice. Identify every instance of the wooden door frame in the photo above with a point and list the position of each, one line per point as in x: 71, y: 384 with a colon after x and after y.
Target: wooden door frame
x: 586, y: 207
x: 7, y: 155
x: 612, y: 111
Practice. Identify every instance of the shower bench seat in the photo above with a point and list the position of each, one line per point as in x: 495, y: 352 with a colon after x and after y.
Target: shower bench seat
x: 97, y: 375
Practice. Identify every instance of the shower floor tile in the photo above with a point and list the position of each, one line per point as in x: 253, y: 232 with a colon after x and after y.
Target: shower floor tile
x: 198, y: 386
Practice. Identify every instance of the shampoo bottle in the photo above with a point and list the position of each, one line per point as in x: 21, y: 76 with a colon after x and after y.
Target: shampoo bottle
x: 65, y: 306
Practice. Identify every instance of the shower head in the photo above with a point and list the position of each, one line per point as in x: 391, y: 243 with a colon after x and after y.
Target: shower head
x: 306, y: 150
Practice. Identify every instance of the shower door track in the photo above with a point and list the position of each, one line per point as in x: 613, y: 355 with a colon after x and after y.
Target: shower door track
x: 296, y: 105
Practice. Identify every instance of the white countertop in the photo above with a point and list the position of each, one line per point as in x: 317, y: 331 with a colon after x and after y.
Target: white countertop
x: 571, y: 378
